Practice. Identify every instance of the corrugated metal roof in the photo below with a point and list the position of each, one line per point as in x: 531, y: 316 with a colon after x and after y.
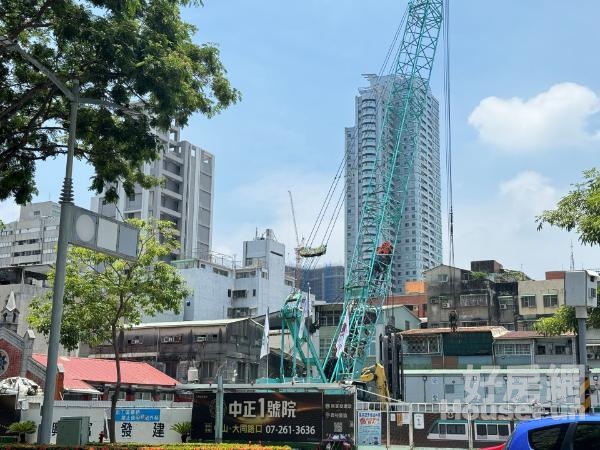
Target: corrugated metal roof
x: 495, y: 330
x: 81, y: 371
x: 187, y: 323
x: 529, y: 335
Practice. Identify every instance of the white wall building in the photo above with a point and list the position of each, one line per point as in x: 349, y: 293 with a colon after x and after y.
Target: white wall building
x: 223, y: 288
x: 33, y: 238
x: 186, y: 198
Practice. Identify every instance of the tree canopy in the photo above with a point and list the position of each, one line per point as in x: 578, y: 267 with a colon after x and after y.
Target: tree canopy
x: 105, y: 295
x: 135, y: 53
x: 579, y: 210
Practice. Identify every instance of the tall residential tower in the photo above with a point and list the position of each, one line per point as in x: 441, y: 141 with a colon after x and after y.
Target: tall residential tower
x: 419, y: 244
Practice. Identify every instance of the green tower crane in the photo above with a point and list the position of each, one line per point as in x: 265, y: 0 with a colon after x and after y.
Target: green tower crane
x: 368, y: 280
x: 368, y: 277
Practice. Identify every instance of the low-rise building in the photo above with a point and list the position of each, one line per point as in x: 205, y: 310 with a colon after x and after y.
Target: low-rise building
x: 414, y: 298
x: 193, y: 351
x: 391, y: 319
x: 224, y: 288
x: 539, y: 298
x: 441, y: 348
x: 18, y: 287
x: 483, y: 296
x: 529, y: 348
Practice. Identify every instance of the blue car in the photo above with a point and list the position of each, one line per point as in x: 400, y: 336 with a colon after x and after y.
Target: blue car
x: 556, y: 433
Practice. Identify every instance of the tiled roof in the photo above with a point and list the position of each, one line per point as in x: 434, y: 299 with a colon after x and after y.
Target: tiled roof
x: 81, y: 371
x: 527, y: 335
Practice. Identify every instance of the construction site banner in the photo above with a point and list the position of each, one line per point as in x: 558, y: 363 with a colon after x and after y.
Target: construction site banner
x: 338, y: 416
x: 254, y: 417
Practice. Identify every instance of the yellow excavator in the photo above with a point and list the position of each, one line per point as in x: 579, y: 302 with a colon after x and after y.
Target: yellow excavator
x: 373, y: 380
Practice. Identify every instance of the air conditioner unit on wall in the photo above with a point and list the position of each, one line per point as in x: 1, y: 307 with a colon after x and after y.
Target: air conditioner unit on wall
x: 446, y: 305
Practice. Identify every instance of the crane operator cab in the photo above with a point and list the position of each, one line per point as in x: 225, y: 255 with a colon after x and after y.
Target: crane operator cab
x: 383, y: 259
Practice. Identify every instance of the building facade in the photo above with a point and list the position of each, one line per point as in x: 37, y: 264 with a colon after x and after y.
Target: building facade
x: 539, y: 298
x: 325, y: 283
x: 33, y: 238
x: 483, y: 297
x: 193, y: 351
x: 185, y: 198
x: 419, y: 244
x: 224, y: 288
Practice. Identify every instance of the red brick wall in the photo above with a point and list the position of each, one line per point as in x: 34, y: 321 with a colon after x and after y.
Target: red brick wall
x: 15, y: 358
x: 34, y: 378
x: 555, y: 275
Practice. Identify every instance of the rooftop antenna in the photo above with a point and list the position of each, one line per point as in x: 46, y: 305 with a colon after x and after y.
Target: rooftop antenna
x: 572, y: 257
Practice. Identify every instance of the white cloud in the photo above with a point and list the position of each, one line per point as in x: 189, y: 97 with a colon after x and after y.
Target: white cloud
x: 264, y: 203
x: 503, y: 228
x: 552, y: 119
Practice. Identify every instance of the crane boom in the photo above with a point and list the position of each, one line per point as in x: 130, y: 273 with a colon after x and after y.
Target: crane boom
x: 381, y: 213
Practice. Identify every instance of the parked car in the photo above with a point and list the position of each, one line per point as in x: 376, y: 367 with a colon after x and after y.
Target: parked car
x: 555, y: 433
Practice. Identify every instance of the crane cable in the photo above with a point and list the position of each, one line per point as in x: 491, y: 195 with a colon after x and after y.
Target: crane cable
x: 448, y: 145
x: 312, y: 262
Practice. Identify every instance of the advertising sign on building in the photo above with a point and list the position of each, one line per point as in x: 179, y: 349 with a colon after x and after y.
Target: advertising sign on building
x: 338, y: 416
x: 369, y: 428
x: 251, y: 417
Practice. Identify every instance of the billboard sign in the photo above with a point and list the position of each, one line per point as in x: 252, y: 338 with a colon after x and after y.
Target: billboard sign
x: 338, y: 416
x: 255, y: 416
x: 369, y: 428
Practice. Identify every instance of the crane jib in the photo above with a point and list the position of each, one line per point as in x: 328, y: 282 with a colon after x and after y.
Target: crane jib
x: 406, y: 88
x: 368, y: 275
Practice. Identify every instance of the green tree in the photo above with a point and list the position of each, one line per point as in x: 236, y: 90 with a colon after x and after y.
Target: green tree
x: 579, y: 210
x: 105, y: 295
x: 135, y: 53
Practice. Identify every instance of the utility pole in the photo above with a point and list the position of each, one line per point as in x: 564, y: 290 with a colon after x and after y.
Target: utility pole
x: 64, y: 232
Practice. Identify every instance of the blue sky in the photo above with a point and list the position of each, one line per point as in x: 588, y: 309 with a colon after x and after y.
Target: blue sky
x: 525, y: 102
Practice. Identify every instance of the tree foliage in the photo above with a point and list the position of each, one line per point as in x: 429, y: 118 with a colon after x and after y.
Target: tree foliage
x: 136, y: 53
x: 564, y: 321
x: 104, y: 294
x: 579, y: 210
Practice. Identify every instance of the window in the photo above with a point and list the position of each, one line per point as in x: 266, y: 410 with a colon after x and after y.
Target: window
x: 513, y: 349
x: 491, y: 431
x: 587, y: 435
x: 36, y: 214
x: 560, y: 349
x: 541, y: 349
x: 221, y: 272
x: 253, y: 292
x: 449, y: 389
x: 547, y: 438
x: 473, y: 300
x: 528, y: 301
x: 550, y: 301
x: 240, y: 293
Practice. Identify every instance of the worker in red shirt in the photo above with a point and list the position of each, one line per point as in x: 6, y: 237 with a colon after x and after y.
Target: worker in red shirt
x: 383, y: 258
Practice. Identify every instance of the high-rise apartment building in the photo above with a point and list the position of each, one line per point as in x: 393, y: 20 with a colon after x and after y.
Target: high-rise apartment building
x: 185, y: 198
x: 326, y: 283
x: 419, y: 244
x: 33, y: 238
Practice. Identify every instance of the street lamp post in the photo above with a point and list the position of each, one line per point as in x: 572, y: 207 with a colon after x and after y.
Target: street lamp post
x: 64, y: 233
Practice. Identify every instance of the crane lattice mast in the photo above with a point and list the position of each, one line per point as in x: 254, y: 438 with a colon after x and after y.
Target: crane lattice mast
x: 381, y: 212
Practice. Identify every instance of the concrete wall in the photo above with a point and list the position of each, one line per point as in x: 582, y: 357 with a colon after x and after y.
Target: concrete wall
x: 133, y: 431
